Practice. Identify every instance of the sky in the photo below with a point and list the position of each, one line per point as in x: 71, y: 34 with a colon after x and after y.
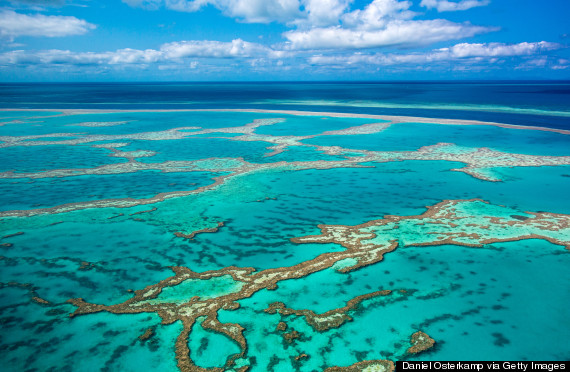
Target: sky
x: 283, y: 40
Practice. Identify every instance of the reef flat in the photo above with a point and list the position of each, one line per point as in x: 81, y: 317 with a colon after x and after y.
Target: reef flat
x: 455, y: 222
x: 277, y: 240
x: 478, y: 161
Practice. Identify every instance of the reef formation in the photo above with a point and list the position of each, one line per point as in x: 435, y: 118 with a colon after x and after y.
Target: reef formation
x: 479, y: 162
x: 470, y: 223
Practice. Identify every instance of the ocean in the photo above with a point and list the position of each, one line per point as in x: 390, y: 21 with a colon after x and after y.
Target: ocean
x: 530, y: 103
x: 282, y: 226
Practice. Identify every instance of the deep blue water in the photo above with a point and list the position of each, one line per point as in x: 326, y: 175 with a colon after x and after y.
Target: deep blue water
x: 507, y: 102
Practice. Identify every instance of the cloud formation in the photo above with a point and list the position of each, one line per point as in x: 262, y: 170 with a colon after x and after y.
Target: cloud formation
x: 186, y: 53
x: 174, y: 52
x: 329, y: 24
x: 260, y: 11
x: 321, y: 13
x: 395, y: 33
x: 315, y: 12
x: 464, y: 50
x: 251, y: 11
x: 450, y: 6
x: 461, y: 51
x: 318, y: 13
x: 14, y: 24
x: 382, y: 23
x: 321, y: 36
x: 216, y: 49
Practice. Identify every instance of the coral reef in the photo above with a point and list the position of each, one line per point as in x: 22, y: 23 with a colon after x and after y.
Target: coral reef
x: 420, y: 342
x: 476, y: 223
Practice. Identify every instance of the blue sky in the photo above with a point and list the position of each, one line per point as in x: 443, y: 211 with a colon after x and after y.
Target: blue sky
x: 221, y: 40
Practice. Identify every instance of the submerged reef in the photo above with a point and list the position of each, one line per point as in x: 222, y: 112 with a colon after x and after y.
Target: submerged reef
x: 420, y: 342
x: 479, y: 162
x: 470, y: 223
x: 189, y: 253
x: 331, y: 319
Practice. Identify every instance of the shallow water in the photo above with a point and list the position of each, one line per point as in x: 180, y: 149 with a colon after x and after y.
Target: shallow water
x: 499, y: 298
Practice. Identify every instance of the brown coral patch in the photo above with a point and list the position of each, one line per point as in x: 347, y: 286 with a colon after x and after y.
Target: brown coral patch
x: 281, y: 326
x: 12, y: 235
x: 146, y: 211
x: 40, y: 300
x: 330, y: 319
x: 86, y: 266
x: 420, y: 342
x: 148, y: 333
x: 201, y: 231
x: 301, y: 356
x: 291, y: 336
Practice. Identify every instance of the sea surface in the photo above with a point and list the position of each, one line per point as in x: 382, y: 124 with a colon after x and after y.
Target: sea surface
x: 181, y: 214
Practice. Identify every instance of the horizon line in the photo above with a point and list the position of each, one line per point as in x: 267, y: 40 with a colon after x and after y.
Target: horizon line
x: 451, y: 81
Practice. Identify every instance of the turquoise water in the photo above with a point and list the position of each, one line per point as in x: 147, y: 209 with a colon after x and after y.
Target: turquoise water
x: 28, y: 193
x: 209, y: 349
x: 24, y: 159
x: 311, y: 125
x: 456, y: 293
x: 411, y: 136
x: 499, y: 299
x: 123, y: 122
x: 199, y: 148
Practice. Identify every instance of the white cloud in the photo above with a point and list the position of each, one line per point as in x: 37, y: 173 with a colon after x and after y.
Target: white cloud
x: 261, y: 11
x: 450, y: 6
x: 64, y: 57
x: 330, y: 23
x: 323, y: 12
x: 251, y: 11
x: 14, y: 24
x: 533, y: 63
x: 187, y: 53
x: 214, y: 49
x: 395, y: 33
x: 382, y: 23
x: 473, y: 52
x: 172, y: 52
x: 499, y: 49
x: 377, y: 14
x: 303, y: 13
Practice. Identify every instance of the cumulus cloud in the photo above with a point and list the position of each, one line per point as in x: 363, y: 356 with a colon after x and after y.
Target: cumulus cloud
x: 295, y: 12
x: 216, y: 49
x: 395, y: 33
x: 66, y: 57
x: 252, y: 11
x: 489, y: 52
x: 14, y: 24
x: 323, y: 24
x: 175, y: 52
x: 450, y: 6
x: 186, y: 53
x: 261, y: 11
x: 382, y: 23
x: 378, y: 14
x: 499, y: 49
x: 323, y: 12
